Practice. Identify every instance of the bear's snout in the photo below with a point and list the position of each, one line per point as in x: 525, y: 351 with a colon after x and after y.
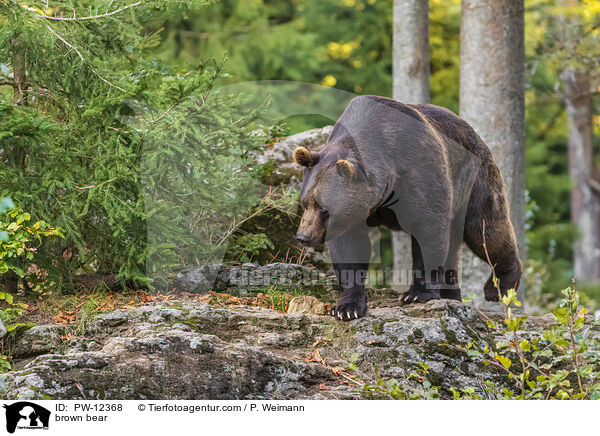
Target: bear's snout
x: 304, y: 240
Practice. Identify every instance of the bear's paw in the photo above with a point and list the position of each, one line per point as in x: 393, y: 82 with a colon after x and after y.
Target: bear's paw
x: 350, y: 307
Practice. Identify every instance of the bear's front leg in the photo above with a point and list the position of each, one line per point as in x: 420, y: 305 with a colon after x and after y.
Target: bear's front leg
x: 353, y: 302
x: 350, y: 255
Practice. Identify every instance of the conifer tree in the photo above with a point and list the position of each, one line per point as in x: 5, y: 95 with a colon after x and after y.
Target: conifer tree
x: 72, y: 73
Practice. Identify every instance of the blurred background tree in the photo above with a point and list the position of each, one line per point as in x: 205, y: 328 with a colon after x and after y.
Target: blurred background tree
x: 342, y: 43
x: 347, y: 44
x: 563, y: 47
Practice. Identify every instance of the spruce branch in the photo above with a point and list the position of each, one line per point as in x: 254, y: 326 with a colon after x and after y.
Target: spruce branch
x: 91, y: 17
x: 68, y: 44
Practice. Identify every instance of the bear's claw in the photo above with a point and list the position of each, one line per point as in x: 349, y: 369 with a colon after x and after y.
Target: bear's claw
x: 416, y: 295
x: 349, y: 308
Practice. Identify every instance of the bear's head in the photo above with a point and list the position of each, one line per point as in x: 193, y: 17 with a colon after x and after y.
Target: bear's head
x: 335, y: 195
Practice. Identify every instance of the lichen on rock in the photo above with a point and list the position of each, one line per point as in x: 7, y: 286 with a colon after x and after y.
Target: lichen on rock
x: 199, y: 351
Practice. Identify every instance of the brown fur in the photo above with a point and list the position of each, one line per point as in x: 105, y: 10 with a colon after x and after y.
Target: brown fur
x: 417, y: 168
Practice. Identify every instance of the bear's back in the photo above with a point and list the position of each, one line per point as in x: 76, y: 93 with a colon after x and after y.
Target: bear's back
x: 443, y: 120
x: 455, y: 128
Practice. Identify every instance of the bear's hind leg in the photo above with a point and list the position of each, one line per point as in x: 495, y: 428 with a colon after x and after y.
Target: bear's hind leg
x: 501, y: 245
x: 451, y: 288
x: 428, y: 261
x: 418, y: 290
x: 509, y: 279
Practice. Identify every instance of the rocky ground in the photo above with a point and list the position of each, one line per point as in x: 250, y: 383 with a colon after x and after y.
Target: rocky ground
x: 192, y: 350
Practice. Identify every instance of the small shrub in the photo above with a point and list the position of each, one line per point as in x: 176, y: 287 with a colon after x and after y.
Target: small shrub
x: 556, y: 363
x: 18, y: 237
x: 19, y: 241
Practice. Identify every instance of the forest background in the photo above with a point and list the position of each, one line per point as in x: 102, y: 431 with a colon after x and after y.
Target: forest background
x: 61, y: 79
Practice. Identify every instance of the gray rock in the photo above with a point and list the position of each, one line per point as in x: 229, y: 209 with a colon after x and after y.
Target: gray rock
x: 112, y: 319
x: 282, y: 153
x: 199, y: 351
x: 199, y: 280
x: 38, y: 340
x: 3, y: 331
x: 242, y: 279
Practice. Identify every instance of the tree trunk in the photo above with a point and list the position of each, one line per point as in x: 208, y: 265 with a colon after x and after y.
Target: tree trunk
x: 18, y: 66
x: 492, y: 96
x: 585, y: 190
x: 411, y: 51
x: 585, y: 201
x: 411, y: 67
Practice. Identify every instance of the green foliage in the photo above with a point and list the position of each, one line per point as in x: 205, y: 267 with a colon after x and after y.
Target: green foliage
x: 279, y: 299
x: 259, y: 236
x: 76, y: 154
x: 247, y: 246
x: 341, y: 43
x: 17, y: 236
x: 560, y: 362
x: 19, y: 241
x: 196, y: 172
x: 556, y: 38
x: 419, y: 389
x: 17, y: 253
x: 83, y: 74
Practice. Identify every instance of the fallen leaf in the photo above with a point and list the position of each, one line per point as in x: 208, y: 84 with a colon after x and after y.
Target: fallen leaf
x: 315, y: 356
x: 338, y: 369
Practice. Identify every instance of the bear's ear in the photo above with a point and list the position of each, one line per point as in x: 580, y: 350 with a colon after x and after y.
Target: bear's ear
x: 346, y: 169
x: 305, y: 158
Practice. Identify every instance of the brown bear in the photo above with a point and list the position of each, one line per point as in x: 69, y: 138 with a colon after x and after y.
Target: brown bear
x: 418, y: 168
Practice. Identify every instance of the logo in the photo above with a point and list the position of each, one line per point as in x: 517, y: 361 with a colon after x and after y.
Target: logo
x: 26, y: 415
